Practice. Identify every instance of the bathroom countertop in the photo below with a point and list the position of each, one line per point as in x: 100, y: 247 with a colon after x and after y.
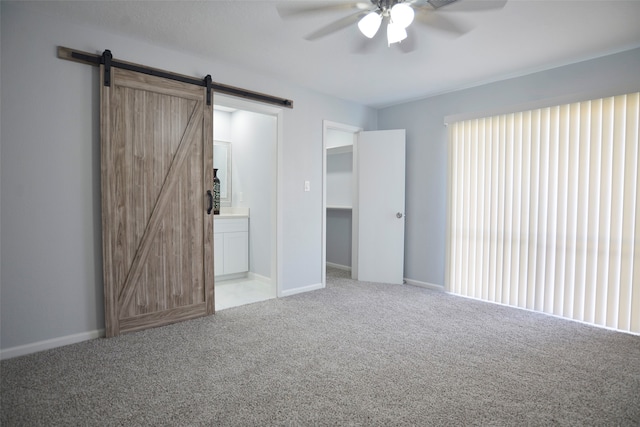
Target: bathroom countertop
x: 232, y: 212
x: 231, y: 215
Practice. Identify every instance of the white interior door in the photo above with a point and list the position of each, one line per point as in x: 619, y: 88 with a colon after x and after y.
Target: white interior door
x: 380, y: 206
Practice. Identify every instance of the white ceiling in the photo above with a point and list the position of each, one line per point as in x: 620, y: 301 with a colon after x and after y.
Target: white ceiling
x: 523, y: 37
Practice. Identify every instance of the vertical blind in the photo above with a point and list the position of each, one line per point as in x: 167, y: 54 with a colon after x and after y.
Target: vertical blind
x: 543, y: 210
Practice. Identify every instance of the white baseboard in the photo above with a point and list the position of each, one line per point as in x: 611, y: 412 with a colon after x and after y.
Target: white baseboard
x: 243, y: 276
x: 233, y: 276
x: 424, y: 284
x: 339, y: 266
x: 35, y: 347
x: 289, y: 292
x: 259, y: 277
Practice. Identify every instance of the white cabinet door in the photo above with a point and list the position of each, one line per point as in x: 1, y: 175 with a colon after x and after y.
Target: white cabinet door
x: 236, y: 252
x: 218, y: 254
x: 231, y: 246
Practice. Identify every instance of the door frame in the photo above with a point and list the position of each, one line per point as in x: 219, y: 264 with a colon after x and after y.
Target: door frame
x: 276, y: 212
x: 355, y: 130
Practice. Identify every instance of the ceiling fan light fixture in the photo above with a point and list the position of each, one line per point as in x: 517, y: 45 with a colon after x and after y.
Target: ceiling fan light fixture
x: 395, y: 33
x: 402, y: 14
x: 369, y: 24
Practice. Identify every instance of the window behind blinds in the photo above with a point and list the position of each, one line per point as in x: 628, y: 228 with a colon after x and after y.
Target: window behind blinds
x: 543, y: 210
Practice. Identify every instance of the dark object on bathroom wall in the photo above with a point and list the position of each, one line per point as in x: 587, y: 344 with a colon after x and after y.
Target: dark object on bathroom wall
x: 216, y: 192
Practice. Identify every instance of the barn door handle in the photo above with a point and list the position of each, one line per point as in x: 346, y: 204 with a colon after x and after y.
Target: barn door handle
x: 210, y: 196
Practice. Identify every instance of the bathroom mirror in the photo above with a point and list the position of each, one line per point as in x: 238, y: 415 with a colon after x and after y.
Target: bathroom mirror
x: 222, y: 162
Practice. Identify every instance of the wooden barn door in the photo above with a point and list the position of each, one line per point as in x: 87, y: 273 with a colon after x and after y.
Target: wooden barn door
x: 156, y: 166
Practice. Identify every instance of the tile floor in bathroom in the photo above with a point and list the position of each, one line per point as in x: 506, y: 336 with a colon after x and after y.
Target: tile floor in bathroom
x: 236, y: 292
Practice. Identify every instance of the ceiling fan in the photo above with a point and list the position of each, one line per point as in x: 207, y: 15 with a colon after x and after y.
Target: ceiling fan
x: 398, y: 15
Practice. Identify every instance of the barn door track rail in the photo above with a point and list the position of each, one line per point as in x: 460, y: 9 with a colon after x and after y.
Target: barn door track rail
x: 107, y: 60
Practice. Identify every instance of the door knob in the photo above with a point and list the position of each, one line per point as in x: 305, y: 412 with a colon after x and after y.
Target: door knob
x: 399, y: 215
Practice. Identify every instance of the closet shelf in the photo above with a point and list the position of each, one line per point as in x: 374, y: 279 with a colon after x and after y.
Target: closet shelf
x: 340, y: 149
x: 339, y: 207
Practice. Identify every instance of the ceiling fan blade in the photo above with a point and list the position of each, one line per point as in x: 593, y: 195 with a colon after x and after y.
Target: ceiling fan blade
x: 477, y: 5
x: 460, y: 5
x: 335, y: 26
x: 296, y: 8
x: 439, y: 22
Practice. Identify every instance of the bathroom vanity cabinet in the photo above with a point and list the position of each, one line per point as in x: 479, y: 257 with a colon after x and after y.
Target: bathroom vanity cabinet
x: 231, y: 245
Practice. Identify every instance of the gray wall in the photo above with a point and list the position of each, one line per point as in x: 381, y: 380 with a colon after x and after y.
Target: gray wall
x: 222, y: 125
x: 339, y: 178
x: 339, y: 193
x: 426, y: 198
x: 254, y: 157
x: 339, y: 228
x: 50, y: 251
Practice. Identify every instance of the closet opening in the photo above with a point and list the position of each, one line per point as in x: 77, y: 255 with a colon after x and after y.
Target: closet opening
x: 363, y: 233
x: 340, y: 249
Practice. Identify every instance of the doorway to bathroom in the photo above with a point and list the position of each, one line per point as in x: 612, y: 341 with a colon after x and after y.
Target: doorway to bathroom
x: 247, y: 140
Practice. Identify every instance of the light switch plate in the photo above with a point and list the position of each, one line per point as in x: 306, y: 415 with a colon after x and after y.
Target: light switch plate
x: 307, y: 186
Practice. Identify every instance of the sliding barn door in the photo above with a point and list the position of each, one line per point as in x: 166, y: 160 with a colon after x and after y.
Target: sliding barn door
x: 157, y: 165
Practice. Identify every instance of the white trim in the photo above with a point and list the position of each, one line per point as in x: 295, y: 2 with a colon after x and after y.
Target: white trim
x: 328, y: 124
x: 339, y: 266
x: 425, y: 285
x: 258, y: 277
x: 231, y: 276
x: 355, y: 211
x: 340, y: 150
x: 35, y: 347
x: 244, y: 104
x: 302, y: 289
x: 277, y: 259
